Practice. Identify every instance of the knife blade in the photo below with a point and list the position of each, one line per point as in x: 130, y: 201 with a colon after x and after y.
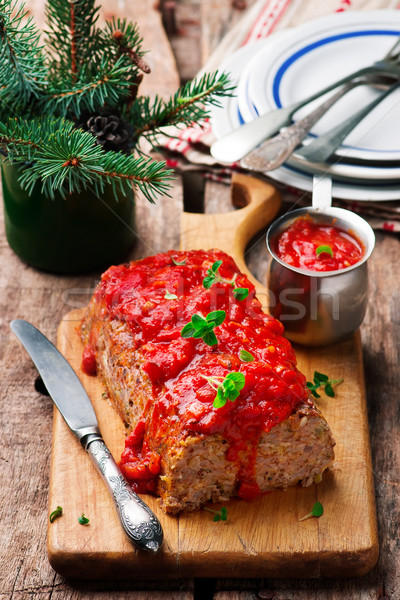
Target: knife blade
x: 138, y: 521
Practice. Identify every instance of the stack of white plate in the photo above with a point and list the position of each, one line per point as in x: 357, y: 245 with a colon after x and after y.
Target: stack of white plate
x: 295, y: 63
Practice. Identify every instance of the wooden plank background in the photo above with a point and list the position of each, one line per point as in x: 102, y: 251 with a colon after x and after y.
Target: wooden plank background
x: 26, y: 416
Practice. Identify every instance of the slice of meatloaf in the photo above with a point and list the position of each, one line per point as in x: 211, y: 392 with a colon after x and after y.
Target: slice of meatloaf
x: 192, y: 438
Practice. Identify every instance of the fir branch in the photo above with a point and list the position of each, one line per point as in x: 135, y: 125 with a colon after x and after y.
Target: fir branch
x: 123, y: 38
x: 71, y: 36
x: 187, y: 106
x: 110, y: 85
x: 67, y: 159
x: 22, y: 62
x: 148, y: 175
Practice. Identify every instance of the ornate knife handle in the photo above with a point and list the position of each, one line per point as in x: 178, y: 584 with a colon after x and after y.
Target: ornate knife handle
x: 139, y: 522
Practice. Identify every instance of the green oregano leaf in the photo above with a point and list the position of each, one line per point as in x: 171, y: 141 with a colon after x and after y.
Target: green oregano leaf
x: 321, y: 380
x: 316, y: 511
x: 227, y: 388
x: 55, y: 514
x: 83, y: 520
x: 212, y: 276
x: 324, y: 250
x: 216, y: 316
x: 220, y: 515
x: 241, y: 293
x: 169, y: 296
x: 200, y: 327
x: 245, y: 356
x: 178, y: 264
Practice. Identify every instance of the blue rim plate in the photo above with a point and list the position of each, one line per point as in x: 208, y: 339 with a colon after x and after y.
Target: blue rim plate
x: 320, y: 52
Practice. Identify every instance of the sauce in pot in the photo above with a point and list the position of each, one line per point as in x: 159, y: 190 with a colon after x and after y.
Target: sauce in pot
x: 313, y: 246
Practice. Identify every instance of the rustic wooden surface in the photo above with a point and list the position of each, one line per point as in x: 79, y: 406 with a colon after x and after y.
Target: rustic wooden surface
x: 266, y: 537
x: 26, y: 416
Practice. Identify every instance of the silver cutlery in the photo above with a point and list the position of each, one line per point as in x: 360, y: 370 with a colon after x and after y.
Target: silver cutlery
x: 324, y: 146
x: 139, y: 522
x: 272, y: 153
x: 241, y: 141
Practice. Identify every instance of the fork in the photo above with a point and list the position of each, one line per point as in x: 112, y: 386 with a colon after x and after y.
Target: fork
x: 241, y: 141
x: 324, y: 146
x: 272, y: 153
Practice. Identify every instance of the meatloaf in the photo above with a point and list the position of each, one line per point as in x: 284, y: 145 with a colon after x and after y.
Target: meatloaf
x: 204, y: 381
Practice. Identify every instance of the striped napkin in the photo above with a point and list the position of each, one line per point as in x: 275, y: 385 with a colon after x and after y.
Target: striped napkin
x: 188, y: 149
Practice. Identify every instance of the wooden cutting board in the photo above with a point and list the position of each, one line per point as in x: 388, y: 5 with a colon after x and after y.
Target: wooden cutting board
x: 262, y: 538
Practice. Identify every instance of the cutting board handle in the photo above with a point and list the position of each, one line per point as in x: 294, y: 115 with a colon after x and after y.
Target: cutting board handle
x: 232, y: 231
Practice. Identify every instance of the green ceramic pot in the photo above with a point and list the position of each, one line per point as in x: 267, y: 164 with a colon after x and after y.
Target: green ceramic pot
x: 79, y: 233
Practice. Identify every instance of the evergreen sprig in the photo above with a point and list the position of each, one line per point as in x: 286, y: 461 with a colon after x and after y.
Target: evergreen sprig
x: 109, y: 86
x: 186, y: 107
x: 71, y: 37
x: 67, y: 159
x: 82, y: 72
x: 22, y: 62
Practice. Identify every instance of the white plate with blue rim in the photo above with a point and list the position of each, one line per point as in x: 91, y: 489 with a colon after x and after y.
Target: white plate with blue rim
x: 369, y: 180
x: 228, y: 115
x: 320, y: 52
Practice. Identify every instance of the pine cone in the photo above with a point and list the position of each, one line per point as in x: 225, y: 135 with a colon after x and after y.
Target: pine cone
x: 110, y: 130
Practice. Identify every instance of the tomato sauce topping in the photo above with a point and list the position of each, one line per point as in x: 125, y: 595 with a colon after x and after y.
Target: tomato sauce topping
x: 308, y: 245
x: 157, y: 297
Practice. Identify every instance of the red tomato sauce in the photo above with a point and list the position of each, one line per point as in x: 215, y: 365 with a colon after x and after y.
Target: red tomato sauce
x: 297, y: 246
x: 182, y: 399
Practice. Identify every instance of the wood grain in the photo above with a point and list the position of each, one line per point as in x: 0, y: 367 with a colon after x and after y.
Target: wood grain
x: 261, y: 538
x: 43, y: 299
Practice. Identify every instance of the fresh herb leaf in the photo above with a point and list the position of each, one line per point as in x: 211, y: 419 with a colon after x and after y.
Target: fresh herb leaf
x: 220, y: 515
x: 83, y: 520
x: 317, y: 511
x: 216, y: 266
x: 216, y: 316
x: 207, y: 282
x: 200, y: 327
x: 169, y: 296
x: 188, y: 331
x: 321, y: 380
x: 324, y: 250
x: 178, y: 264
x: 213, y: 276
x: 56, y: 513
x: 227, y: 388
x: 210, y: 339
x: 241, y: 293
x: 245, y: 356
x: 320, y: 377
x: 198, y: 322
x: 329, y: 390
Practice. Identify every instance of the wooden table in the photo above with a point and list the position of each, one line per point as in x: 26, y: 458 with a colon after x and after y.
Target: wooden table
x: 26, y: 415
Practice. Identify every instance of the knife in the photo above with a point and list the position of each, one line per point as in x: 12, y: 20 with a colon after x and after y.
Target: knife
x: 139, y: 522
